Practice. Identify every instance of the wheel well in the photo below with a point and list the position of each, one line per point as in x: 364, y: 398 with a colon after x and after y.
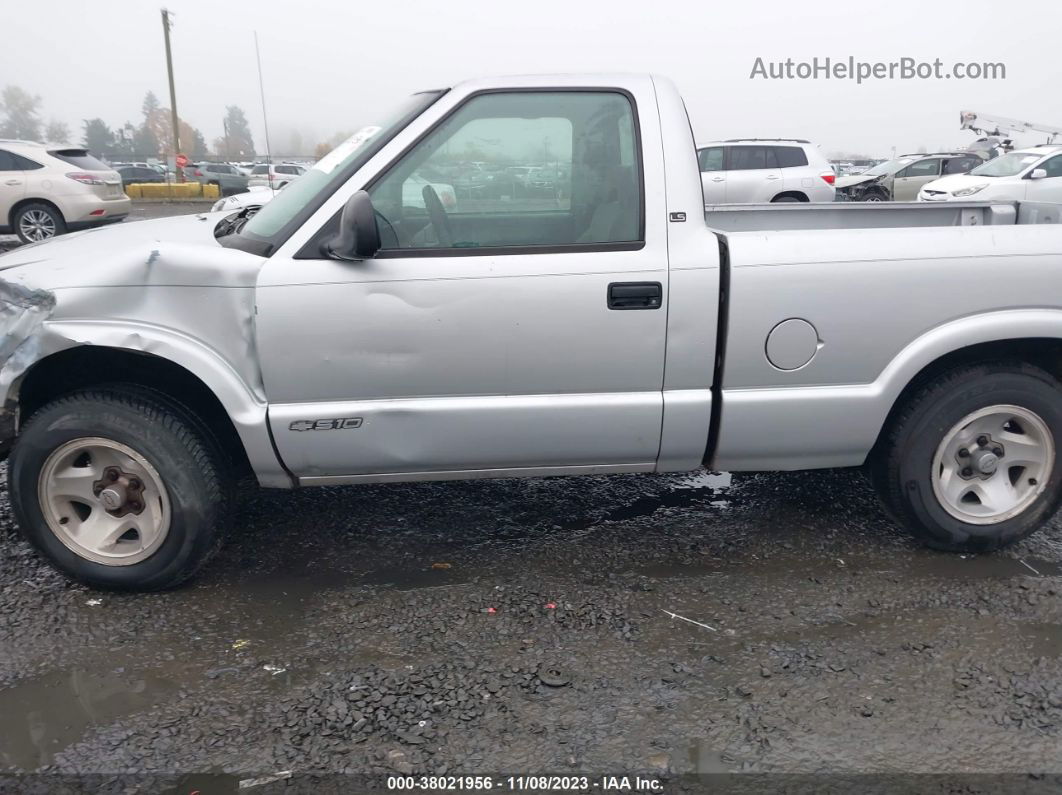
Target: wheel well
x: 23, y: 202
x: 89, y: 365
x: 1045, y: 353
x: 791, y: 194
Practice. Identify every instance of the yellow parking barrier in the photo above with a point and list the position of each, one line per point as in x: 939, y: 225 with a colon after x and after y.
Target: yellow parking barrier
x: 172, y: 190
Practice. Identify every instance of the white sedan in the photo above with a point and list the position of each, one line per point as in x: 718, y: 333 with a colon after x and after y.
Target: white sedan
x: 1030, y: 175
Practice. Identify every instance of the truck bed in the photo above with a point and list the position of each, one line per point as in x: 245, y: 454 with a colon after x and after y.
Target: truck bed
x: 876, y: 215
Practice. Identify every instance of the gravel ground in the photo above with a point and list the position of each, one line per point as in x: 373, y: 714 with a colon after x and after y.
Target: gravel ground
x: 667, y: 625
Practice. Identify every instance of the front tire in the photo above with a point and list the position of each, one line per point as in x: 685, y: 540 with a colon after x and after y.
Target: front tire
x: 120, y: 489
x: 972, y: 461
x: 36, y: 222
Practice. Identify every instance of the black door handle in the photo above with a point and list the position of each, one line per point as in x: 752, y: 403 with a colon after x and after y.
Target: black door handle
x: 635, y: 295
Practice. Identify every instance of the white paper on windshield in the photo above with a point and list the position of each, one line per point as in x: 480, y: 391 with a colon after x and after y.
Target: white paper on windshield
x: 328, y: 163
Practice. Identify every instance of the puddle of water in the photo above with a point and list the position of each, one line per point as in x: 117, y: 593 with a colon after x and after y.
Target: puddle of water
x: 698, y: 488
x: 975, y: 567
x: 41, y: 716
x: 1044, y: 640
x: 700, y: 759
x: 927, y: 564
x: 402, y: 579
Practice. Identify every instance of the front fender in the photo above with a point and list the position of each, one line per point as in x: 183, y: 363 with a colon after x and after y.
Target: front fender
x: 240, y: 393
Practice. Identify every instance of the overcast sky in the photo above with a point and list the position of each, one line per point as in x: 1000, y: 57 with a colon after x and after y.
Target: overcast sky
x: 334, y: 66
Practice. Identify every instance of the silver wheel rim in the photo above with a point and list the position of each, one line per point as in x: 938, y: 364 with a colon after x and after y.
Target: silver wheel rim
x: 104, y: 501
x: 37, y: 225
x: 993, y: 464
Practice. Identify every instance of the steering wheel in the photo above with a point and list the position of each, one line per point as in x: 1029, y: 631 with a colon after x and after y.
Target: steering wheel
x: 440, y: 221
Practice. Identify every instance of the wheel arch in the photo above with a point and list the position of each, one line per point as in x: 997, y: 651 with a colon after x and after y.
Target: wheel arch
x: 1024, y: 336
x: 233, y: 413
x: 800, y: 196
x: 30, y: 200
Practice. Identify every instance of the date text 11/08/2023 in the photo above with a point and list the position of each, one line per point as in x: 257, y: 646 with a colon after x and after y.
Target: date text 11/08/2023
x: 530, y: 783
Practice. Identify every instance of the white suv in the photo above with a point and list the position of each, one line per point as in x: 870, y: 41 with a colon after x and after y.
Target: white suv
x: 743, y: 170
x: 1032, y: 175
x: 275, y: 176
x: 46, y: 190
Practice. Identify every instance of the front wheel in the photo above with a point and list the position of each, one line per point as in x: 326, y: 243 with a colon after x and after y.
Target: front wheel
x: 119, y: 488
x: 971, y: 462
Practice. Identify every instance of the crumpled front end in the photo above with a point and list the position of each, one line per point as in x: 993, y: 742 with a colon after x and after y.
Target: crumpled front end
x: 23, y: 311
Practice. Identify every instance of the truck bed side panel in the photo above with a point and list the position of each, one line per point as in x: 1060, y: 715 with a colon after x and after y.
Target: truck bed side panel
x: 883, y: 304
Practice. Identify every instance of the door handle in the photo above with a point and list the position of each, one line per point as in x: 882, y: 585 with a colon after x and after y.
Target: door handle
x: 772, y: 176
x: 718, y: 179
x: 13, y: 182
x: 635, y: 295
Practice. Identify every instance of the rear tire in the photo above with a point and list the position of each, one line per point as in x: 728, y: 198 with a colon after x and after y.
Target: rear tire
x: 35, y: 222
x: 936, y: 470
x: 162, y: 462
x: 787, y: 200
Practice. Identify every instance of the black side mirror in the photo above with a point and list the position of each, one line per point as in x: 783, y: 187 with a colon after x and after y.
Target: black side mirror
x: 359, y: 236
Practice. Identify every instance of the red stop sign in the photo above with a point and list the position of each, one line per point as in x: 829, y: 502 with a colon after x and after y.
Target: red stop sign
x: 181, y: 161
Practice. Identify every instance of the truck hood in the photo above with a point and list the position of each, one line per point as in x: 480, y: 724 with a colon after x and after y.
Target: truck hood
x: 178, y: 251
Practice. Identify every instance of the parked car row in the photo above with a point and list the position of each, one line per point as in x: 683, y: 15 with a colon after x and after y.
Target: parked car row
x: 901, y: 178
x: 1033, y: 174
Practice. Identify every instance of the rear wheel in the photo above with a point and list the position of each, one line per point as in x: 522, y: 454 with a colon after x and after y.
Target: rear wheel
x: 971, y: 462
x: 120, y: 489
x: 786, y: 199
x: 36, y: 222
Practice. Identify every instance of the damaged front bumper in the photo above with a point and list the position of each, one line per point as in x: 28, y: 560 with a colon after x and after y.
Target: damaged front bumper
x: 23, y: 311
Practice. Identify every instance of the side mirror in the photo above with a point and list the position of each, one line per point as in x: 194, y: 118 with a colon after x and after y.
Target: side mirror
x: 1038, y: 173
x: 359, y: 236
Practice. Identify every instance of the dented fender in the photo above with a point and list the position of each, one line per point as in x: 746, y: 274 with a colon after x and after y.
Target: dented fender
x: 164, y: 288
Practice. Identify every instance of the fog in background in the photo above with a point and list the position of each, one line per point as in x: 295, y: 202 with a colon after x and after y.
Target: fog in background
x: 333, y: 66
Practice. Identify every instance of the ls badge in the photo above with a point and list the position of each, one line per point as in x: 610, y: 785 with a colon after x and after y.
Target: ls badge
x: 342, y: 424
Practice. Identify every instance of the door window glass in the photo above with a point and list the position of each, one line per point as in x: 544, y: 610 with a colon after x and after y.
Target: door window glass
x: 923, y: 168
x: 747, y: 158
x: 711, y: 159
x: 518, y: 169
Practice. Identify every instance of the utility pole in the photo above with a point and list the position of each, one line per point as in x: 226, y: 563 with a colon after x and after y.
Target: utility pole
x: 261, y: 91
x: 173, y: 96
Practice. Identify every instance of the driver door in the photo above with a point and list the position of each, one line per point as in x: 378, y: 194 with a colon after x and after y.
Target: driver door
x: 488, y: 336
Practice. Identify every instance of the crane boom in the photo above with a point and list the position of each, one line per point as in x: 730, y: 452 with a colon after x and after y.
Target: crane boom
x: 985, y: 124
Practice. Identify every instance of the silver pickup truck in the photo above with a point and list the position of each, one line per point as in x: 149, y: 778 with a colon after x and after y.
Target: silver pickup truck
x: 512, y: 278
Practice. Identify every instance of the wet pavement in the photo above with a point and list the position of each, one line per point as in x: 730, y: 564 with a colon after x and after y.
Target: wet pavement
x: 669, y: 624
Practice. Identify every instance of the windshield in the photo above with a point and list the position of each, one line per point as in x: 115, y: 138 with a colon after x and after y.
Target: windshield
x: 888, y: 167
x: 328, y: 173
x: 1008, y: 165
